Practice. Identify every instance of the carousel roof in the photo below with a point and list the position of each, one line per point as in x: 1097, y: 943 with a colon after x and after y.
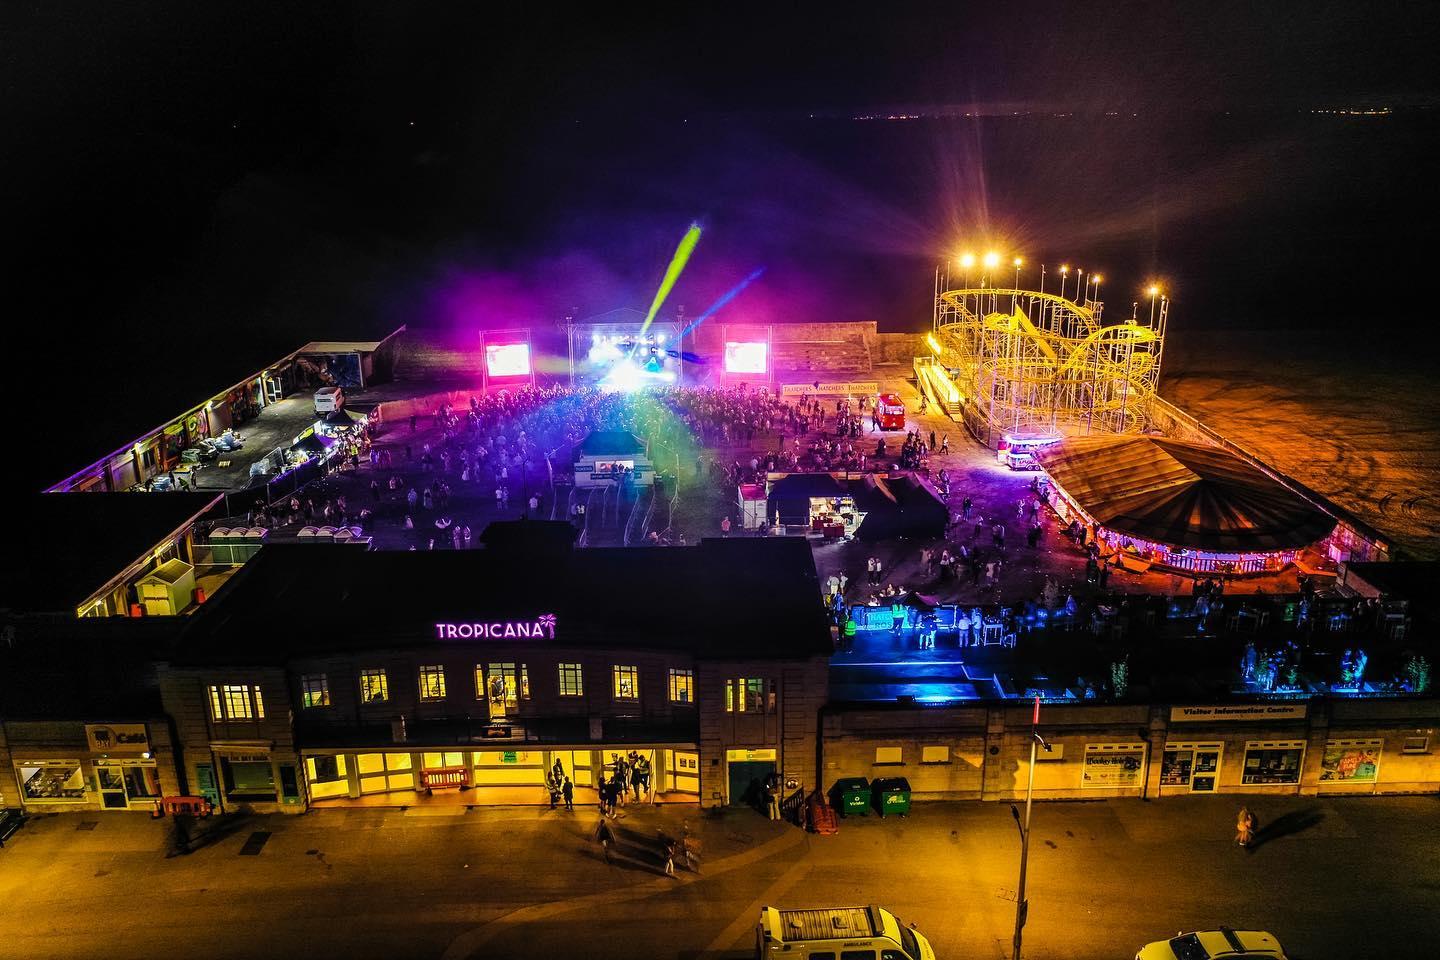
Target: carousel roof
x: 1181, y: 494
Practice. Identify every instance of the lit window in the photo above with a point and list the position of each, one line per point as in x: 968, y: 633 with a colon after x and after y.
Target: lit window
x: 889, y: 755
x: 315, y: 690
x: 217, y: 712
x: 432, y: 683
x: 934, y: 754
x: 682, y: 686
x: 750, y: 695
x: 237, y: 701
x: 572, y: 681
x: 373, y: 687
x: 259, y: 703
x: 502, y: 683
x: 627, y: 682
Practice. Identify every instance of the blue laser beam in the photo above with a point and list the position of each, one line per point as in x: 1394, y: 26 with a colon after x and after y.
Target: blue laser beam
x: 725, y: 298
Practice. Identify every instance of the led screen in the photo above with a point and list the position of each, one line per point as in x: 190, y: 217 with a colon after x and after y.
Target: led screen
x: 746, y: 357
x: 507, y: 359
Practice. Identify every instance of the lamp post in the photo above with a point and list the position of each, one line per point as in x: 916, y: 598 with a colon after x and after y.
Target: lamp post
x: 1064, y: 274
x: 1022, y: 906
x: 1015, y: 292
x: 967, y: 260
x: 1154, y: 291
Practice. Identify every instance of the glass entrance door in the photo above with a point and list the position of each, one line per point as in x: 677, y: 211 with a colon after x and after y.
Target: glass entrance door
x: 112, y: 788
x: 1206, y: 776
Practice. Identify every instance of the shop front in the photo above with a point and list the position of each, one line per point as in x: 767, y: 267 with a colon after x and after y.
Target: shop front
x: 1191, y: 767
x: 495, y: 777
x: 247, y: 775
x: 746, y: 771
x: 112, y: 768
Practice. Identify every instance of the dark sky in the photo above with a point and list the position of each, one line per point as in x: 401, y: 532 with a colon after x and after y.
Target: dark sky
x: 181, y: 177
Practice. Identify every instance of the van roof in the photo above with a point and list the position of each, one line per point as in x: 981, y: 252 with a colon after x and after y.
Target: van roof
x: 830, y: 923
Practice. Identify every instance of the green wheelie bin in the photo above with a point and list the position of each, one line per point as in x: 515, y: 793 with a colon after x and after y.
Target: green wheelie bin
x: 852, y: 796
x: 892, y: 795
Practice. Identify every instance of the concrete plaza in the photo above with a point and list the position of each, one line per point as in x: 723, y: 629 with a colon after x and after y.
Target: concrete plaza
x: 1331, y: 878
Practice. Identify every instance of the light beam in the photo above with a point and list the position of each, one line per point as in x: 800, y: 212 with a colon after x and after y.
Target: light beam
x: 672, y: 272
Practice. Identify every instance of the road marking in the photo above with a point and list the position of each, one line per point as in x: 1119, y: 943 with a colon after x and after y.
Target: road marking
x: 749, y: 916
x: 469, y: 943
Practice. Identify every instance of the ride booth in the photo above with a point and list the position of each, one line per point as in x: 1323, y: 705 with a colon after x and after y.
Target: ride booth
x: 613, y: 457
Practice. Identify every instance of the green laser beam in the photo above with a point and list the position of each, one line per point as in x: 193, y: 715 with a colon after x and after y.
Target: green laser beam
x: 672, y: 272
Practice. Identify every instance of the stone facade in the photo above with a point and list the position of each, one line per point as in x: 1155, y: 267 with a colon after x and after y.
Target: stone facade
x: 1322, y: 747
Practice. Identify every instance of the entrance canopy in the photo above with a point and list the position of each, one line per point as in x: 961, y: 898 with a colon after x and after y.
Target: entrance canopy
x: 1181, y: 494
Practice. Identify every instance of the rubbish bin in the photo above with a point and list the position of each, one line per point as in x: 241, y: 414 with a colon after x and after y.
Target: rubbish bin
x: 892, y: 795
x: 852, y: 796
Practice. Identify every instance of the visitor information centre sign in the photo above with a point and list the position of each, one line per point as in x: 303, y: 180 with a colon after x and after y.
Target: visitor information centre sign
x: 1239, y: 711
x: 541, y: 628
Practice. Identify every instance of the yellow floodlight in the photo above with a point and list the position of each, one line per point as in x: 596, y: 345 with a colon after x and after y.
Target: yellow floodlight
x: 992, y: 259
x: 967, y: 260
x: 935, y: 347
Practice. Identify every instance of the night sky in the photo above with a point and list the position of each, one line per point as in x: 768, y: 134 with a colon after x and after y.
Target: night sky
x: 186, y: 178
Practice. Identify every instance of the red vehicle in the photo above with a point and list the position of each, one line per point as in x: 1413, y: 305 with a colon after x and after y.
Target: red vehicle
x: 890, y: 411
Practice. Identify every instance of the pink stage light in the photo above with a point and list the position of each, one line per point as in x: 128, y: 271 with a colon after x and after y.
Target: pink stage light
x: 507, y: 359
x: 746, y: 357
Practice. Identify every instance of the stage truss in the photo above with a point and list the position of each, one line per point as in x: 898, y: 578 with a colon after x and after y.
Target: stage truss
x: 1029, y: 361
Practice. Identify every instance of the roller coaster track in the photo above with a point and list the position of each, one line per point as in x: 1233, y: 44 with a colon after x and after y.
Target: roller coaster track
x: 1049, y: 361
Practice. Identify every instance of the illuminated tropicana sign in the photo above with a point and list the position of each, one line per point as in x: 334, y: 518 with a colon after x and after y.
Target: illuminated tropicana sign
x: 541, y: 628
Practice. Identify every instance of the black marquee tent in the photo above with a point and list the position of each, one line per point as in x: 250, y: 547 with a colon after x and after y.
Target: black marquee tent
x: 901, y: 505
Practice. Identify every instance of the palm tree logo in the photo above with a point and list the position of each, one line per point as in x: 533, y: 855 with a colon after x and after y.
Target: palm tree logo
x: 547, y: 620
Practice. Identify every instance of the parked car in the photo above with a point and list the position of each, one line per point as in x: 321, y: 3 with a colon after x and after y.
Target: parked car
x: 1222, y: 944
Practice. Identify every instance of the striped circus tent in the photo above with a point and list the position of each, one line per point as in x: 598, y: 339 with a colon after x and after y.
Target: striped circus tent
x: 1184, y: 495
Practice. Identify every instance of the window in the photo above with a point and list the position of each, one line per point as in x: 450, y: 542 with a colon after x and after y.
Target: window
x: 502, y: 683
x: 236, y: 701
x: 50, y: 781
x: 750, y: 695
x: 682, y: 686
x: 432, y: 683
x: 327, y: 776
x: 571, y: 680
x: 934, y: 754
x: 888, y: 755
x: 373, y: 687
x: 315, y: 690
x: 248, y: 778
x: 1272, y: 762
x: 627, y: 682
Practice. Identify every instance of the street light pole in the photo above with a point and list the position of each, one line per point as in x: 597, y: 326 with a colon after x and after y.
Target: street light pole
x: 1022, y: 906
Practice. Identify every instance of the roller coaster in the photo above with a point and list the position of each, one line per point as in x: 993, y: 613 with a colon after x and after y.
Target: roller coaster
x: 1030, y: 361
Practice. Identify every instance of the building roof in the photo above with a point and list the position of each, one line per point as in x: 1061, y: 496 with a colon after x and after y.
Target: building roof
x: 70, y: 545
x: 342, y: 346
x: 743, y: 597
x: 1181, y: 494
x: 603, y: 443
x: 99, y: 669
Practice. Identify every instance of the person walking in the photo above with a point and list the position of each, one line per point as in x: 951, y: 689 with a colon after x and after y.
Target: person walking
x: 567, y: 790
x: 606, y: 836
x: 1245, y: 824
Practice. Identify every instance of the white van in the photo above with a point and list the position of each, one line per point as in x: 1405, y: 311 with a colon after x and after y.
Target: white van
x: 329, y: 399
x: 838, y: 933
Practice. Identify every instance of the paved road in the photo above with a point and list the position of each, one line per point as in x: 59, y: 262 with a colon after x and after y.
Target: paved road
x: 1344, y: 878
